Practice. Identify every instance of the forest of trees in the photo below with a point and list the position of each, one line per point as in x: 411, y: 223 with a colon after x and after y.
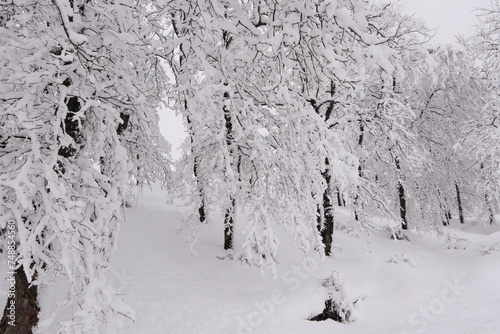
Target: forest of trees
x: 291, y: 108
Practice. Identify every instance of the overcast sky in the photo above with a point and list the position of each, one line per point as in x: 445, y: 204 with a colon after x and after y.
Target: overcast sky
x: 450, y: 17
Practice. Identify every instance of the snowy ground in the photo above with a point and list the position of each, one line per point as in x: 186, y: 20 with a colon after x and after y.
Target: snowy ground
x: 449, y: 284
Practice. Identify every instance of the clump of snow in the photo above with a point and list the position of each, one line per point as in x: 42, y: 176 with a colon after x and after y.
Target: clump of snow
x: 490, y: 250
x: 402, y: 258
x: 339, y: 306
x: 455, y: 242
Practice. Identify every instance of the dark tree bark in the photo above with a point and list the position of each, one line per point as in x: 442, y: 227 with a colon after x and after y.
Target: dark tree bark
x: 325, y: 214
x: 230, y: 211
x: 20, y: 314
x: 491, y: 216
x: 448, y: 215
x: 228, y: 118
x: 446, y: 220
x: 459, y: 203
x: 201, y: 209
x: 340, y: 200
x: 402, y: 198
x: 25, y: 296
x: 199, y: 186
x: 360, y: 167
x: 326, y: 221
x: 402, y: 206
x: 228, y: 226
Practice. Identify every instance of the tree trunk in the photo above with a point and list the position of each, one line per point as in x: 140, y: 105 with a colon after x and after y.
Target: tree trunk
x: 340, y: 200
x: 20, y: 315
x: 491, y: 216
x: 199, y: 187
x: 448, y: 215
x: 402, y: 206
x: 182, y: 59
x: 327, y: 222
x: 356, y: 198
x: 402, y: 198
x: 325, y: 217
x: 230, y: 212
x: 360, y: 167
x: 459, y: 202
x: 228, y: 226
x: 446, y: 220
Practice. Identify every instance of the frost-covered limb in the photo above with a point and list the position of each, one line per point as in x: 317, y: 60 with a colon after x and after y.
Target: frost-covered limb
x: 71, y: 72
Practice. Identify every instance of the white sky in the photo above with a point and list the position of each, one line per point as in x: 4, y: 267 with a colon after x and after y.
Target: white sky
x: 450, y: 17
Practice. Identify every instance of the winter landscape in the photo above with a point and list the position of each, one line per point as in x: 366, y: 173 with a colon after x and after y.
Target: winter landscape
x: 339, y: 171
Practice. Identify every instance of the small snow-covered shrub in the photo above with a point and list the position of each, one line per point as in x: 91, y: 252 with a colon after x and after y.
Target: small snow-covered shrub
x: 338, y: 306
x: 401, y: 258
x: 455, y: 242
x: 488, y: 250
x: 351, y: 228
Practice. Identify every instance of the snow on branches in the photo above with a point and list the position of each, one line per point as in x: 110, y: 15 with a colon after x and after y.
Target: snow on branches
x: 78, y: 90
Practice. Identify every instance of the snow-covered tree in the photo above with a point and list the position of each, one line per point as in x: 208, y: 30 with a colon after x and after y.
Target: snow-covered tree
x: 485, y: 46
x: 442, y: 96
x: 247, y: 146
x: 263, y: 87
x: 377, y: 125
x: 79, y: 88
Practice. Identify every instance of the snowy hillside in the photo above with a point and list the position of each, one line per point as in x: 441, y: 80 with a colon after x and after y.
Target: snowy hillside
x: 435, y: 285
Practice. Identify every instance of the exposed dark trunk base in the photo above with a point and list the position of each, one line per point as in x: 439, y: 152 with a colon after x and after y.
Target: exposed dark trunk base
x: 201, y: 210
x: 332, y: 311
x: 446, y: 220
x: 447, y: 216
x: 402, y: 199
x: 491, y: 217
x: 399, y: 235
x: 459, y: 202
x: 228, y: 227
x: 356, y: 216
x: 340, y: 200
x: 201, y: 213
x: 326, y: 222
x: 327, y: 231
x: 20, y: 315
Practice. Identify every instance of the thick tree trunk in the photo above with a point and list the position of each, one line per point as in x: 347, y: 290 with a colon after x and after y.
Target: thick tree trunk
x: 491, y: 216
x: 325, y: 216
x: 459, y: 203
x: 199, y: 188
x: 402, y: 199
x: 327, y: 226
x: 182, y: 59
x: 20, y: 315
x: 228, y: 226
x: 448, y: 215
x: 402, y: 206
x: 360, y: 167
x: 340, y: 200
x: 446, y: 220
x: 231, y: 211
